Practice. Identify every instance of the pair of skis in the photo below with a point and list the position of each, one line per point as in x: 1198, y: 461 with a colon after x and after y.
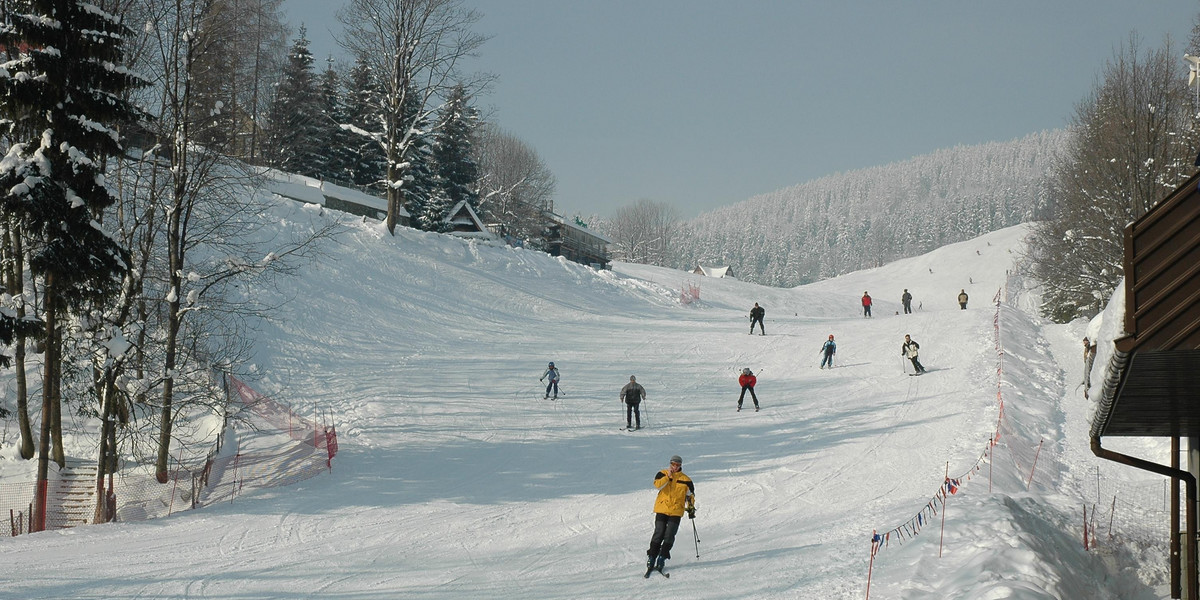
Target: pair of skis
x: 650, y: 570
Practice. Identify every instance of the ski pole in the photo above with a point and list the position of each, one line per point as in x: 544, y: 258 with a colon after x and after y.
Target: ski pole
x: 696, y: 536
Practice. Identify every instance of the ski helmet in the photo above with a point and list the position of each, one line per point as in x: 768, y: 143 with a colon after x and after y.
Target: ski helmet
x: 746, y: 371
x: 552, y: 364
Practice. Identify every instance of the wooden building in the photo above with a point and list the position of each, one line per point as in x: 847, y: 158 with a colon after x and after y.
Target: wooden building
x: 1152, y: 380
x: 576, y: 242
x: 463, y: 222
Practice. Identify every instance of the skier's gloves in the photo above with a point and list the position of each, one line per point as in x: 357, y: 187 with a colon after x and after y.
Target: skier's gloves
x: 691, y: 511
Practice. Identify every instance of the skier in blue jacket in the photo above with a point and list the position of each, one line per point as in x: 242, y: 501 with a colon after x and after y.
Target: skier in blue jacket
x: 552, y: 373
x: 829, y: 349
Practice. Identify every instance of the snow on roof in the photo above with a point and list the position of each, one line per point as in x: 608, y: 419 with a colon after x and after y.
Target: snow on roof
x: 572, y: 225
x: 356, y: 197
x: 713, y: 271
x: 296, y: 191
x: 311, y: 189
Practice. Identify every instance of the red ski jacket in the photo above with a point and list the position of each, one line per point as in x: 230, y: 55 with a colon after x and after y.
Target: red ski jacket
x: 747, y: 380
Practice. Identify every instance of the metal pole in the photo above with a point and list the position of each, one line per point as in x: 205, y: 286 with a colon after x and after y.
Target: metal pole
x: 696, y: 536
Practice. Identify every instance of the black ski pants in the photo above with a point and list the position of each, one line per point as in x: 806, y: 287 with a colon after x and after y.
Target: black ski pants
x: 917, y: 368
x: 754, y: 320
x: 631, y: 412
x: 665, y: 528
x: 743, y: 396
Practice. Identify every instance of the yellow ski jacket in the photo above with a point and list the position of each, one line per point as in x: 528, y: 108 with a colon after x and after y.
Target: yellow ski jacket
x: 675, y: 493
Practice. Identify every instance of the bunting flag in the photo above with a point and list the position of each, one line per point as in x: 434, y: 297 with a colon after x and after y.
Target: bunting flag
x: 950, y: 485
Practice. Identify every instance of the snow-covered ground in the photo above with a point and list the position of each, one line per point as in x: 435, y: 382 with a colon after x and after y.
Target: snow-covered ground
x: 455, y: 479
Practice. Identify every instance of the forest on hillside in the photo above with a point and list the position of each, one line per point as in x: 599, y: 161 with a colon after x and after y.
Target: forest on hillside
x: 869, y: 217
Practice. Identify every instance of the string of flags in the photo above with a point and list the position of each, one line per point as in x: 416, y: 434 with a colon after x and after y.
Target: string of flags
x: 913, y: 526
x: 909, y: 529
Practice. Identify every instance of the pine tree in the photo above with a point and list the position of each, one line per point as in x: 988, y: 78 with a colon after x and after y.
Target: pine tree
x: 63, y: 99
x: 336, y: 157
x: 457, y: 170
x: 295, y: 119
x: 425, y: 198
x: 369, y: 163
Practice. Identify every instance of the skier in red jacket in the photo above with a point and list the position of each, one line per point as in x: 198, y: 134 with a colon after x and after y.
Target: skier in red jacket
x: 747, y: 381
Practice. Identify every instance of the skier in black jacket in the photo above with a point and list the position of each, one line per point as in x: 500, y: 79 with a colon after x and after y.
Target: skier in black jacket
x: 756, y: 316
x: 632, y: 395
x: 909, y: 350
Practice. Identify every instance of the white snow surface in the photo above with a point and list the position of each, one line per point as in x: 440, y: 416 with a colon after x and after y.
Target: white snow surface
x: 455, y: 479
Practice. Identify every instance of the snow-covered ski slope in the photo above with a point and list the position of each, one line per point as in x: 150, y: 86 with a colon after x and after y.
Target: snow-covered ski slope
x: 455, y: 479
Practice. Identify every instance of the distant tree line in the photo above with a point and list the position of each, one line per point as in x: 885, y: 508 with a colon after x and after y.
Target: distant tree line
x: 128, y: 224
x: 1132, y: 140
x: 849, y: 221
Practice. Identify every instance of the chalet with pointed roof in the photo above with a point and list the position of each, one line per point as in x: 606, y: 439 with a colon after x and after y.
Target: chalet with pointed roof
x: 463, y: 222
x: 717, y: 272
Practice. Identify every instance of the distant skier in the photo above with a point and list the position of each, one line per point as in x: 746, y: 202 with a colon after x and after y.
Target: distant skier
x: 866, y: 302
x: 632, y: 395
x: 747, y: 381
x: 1089, y: 357
x: 756, y: 316
x: 676, y: 496
x: 909, y: 350
x: 828, y: 349
x: 962, y: 299
x: 552, y: 373
x: 906, y: 300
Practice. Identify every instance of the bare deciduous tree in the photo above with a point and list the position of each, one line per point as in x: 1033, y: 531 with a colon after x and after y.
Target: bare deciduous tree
x: 416, y: 47
x: 644, y: 232
x: 190, y: 217
x: 1134, y: 140
x: 516, y: 189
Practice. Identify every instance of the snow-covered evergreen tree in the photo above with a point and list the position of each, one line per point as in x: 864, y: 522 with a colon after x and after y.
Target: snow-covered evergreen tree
x: 417, y: 46
x: 457, y: 171
x: 425, y: 198
x: 337, y: 155
x: 61, y: 102
x: 295, y: 137
x: 368, y: 166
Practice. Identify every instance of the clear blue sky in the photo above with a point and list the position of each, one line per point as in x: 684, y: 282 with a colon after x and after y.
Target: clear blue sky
x: 704, y: 103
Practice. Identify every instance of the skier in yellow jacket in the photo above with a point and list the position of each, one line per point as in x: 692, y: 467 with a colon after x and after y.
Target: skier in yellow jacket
x: 676, y: 496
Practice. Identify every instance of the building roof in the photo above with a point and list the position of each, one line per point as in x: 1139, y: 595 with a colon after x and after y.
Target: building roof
x: 464, y: 222
x: 714, y: 271
x: 570, y: 224
x: 1152, y: 380
x: 312, y: 190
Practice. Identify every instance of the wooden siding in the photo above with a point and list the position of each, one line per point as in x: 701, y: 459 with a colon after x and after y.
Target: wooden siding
x: 1162, y: 274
